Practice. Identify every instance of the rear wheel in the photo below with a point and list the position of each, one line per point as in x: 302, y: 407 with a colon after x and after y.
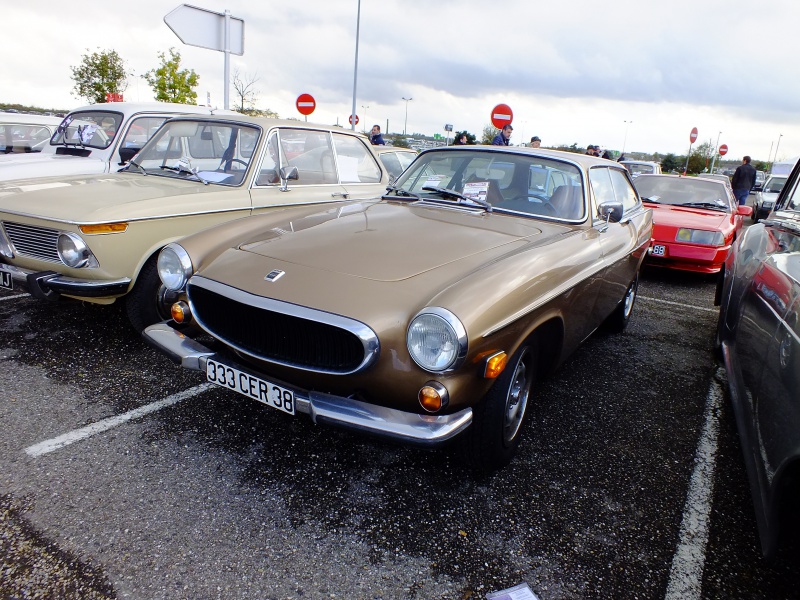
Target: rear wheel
x: 499, y: 418
x: 754, y: 215
x: 149, y: 301
x: 619, y: 319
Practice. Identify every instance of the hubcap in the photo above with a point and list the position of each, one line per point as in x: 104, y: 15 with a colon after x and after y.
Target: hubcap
x: 629, y: 298
x: 516, y: 400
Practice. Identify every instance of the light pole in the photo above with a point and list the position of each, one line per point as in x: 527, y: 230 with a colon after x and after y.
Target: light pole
x: 716, y: 151
x: 355, y: 69
x: 625, y: 140
x: 774, y: 160
x: 364, y: 127
x: 405, y: 123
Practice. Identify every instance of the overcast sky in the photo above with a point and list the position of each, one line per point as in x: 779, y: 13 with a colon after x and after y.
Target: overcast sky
x: 571, y: 71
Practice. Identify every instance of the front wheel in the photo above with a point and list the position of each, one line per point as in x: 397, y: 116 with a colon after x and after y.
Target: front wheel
x: 499, y: 418
x: 754, y: 215
x: 148, y: 302
x: 618, y: 320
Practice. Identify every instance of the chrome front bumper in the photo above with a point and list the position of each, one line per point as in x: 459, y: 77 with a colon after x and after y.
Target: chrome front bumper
x: 388, y: 423
x: 48, y: 285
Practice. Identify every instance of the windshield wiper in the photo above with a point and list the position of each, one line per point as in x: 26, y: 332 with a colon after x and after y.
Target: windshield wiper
x: 651, y: 200
x: 182, y: 168
x: 709, y: 205
x: 135, y: 164
x: 460, y: 197
x: 401, y: 192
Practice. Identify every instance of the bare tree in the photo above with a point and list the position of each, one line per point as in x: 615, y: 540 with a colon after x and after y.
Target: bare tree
x: 245, y: 91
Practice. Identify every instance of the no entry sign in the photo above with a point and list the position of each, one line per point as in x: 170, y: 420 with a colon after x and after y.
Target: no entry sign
x: 305, y: 104
x: 350, y: 118
x: 723, y: 150
x: 502, y: 115
x: 693, y: 135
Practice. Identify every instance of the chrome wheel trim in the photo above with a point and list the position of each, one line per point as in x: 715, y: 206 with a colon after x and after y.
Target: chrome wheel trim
x: 630, y: 296
x: 516, y: 400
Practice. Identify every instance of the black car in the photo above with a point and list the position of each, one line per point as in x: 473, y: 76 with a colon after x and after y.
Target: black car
x: 759, y: 337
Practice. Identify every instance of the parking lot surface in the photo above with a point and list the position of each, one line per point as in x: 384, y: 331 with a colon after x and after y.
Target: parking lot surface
x: 125, y: 477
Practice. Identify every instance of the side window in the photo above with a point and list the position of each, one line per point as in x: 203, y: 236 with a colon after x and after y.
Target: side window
x: 623, y: 190
x: 793, y: 198
x: 141, y: 130
x: 600, y: 180
x: 269, y: 166
x: 356, y: 162
x: 310, y: 151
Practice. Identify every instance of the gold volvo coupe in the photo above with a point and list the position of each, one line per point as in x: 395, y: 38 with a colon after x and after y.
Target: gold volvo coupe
x: 422, y: 317
x: 96, y: 237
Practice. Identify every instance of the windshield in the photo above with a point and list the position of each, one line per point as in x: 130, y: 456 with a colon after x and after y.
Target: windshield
x: 207, y: 151
x: 683, y: 191
x: 774, y: 185
x: 640, y: 168
x: 90, y: 129
x: 511, y: 182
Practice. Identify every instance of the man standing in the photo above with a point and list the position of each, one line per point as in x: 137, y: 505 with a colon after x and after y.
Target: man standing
x: 536, y: 142
x: 501, y: 139
x: 375, y: 137
x: 743, y: 180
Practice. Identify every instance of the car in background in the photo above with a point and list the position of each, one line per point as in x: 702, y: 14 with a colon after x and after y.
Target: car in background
x: 765, y: 199
x: 424, y: 316
x: 98, y: 138
x: 761, y: 178
x: 395, y: 159
x: 641, y: 167
x: 96, y: 237
x: 25, y: 133
x: 695, y: 221
x: 759, y: 337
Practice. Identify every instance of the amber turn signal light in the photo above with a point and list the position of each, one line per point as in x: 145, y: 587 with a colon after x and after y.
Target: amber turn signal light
x: 180, y: 312
x: 495, y: 365
x: 104, y: 228
x: 433, y: 396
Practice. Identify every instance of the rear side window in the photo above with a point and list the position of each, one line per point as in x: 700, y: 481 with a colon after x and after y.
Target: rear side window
x: 623, y: 190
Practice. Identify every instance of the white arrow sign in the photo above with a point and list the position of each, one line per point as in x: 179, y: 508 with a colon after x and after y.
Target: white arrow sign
x: 206, y: 29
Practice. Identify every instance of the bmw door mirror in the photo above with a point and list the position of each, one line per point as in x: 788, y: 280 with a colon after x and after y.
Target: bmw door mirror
x: 611, y: 211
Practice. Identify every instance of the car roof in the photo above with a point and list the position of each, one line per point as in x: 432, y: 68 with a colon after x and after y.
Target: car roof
x: 27, y: 119
x: 131, y: 108
x: 584, y: 160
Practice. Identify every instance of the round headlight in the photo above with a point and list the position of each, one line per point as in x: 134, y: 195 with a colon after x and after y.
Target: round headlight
x: 174, y: 267
x: 436, y: 339
x: 73, y: 251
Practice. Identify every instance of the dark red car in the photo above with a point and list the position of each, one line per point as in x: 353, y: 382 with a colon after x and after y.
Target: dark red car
x: 695, y: 221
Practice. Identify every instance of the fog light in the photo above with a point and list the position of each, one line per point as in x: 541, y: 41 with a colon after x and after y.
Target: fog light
x: 495, y: 365
x: 180, y: 312
x: 433, y: 396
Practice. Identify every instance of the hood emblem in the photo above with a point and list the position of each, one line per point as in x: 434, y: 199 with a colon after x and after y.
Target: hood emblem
x: 274, y: 275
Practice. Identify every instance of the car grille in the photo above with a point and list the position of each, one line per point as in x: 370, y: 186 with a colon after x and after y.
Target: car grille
x: 274, y: 336
x: 36, y: 242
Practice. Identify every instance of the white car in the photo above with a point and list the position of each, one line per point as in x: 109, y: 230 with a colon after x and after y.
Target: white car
x: 641, y: 167
x: 98, y: 138
x: 25, y: 133
x: 765, y: 199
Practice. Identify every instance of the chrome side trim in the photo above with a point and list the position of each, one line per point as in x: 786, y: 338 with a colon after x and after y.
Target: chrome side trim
x: 326, y: 409
x: 369, y: 339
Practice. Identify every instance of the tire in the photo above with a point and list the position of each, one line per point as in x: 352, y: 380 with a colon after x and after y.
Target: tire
x: 618, y: 320
x: 754, y: 216
x: 148, y: 302
x: 500, y: 417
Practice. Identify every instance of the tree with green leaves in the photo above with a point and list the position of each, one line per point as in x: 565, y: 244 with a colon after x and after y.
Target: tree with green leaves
x: 170, y: 83
x: 471, y: 139
x: 98, y: 74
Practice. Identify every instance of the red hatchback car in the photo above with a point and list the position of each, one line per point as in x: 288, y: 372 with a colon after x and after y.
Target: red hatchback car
x: 695, y: 221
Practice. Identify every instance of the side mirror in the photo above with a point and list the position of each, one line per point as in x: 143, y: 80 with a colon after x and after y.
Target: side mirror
x: 611, y: 211
x: 744, y: 210
x: 289, y: 173
x: 126, y: 154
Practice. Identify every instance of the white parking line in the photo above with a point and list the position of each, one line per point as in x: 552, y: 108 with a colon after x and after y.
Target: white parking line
x: 686, y: 573
x: 111, y: 422
x: 681, y: 304
x: 14, y: 296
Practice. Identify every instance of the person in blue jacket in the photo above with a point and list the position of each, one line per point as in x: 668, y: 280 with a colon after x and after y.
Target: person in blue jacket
x: 501, y: 139
x: 375, y: 137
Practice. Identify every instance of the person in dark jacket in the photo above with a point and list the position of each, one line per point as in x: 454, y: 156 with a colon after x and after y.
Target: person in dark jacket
x: 501, y: 139
x: 743, y: 180
x: 375, y: 137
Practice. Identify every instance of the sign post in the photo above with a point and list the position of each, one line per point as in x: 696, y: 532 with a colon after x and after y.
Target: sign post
x: 692, y: 140
x: 305, y: 104
x: 208, y: 29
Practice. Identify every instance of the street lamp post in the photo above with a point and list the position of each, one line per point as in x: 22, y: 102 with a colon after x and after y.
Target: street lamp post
x: 405, y: 123
x: 364, y: 126
x: 355, y: 69
x: 774, y: 160
x: 625, y: 140
x: 716, y: 151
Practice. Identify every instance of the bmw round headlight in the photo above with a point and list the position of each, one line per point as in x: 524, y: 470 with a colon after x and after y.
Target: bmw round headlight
x: 174, y: 267
x: 436, y: 339
x: 73, y: 251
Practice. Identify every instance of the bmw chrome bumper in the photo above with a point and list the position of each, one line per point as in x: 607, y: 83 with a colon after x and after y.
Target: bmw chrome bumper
x: 48, y: 285
x: 388, y: 423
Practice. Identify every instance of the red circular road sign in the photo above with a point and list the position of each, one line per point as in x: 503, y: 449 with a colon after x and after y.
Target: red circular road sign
x: 305, y: 104
x: 502, y: 115
x: 693, y: 135
x: 350, y: 118
x: 723, y: 150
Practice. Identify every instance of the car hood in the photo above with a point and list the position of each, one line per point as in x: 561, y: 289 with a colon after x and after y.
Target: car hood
x: 693, y: 218
x: 379, y: 241
x: 24, y: 166
x: 114, y: 197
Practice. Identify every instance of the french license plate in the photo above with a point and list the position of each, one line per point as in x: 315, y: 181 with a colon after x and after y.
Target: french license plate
x: 248, y: 385
x: 659, y: 250
x: 5, y: 280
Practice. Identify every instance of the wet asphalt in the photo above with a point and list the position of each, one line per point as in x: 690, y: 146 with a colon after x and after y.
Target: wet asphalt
x: 216, y: 496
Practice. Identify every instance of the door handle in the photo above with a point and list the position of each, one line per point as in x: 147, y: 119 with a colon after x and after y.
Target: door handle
x: 344, y: 195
